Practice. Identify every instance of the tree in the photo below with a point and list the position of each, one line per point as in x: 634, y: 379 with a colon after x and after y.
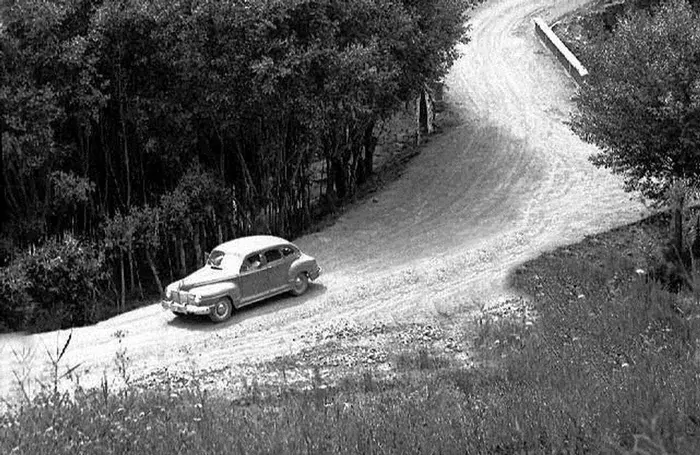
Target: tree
x: 641, y: 104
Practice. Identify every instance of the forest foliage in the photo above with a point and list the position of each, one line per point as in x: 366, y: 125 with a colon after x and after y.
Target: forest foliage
x: 143, y: 132
x: 641, y: 107
x: 641, y: 103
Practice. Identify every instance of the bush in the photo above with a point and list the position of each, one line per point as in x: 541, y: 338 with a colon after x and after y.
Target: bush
x: 55, y: 286
x: 15, y: 301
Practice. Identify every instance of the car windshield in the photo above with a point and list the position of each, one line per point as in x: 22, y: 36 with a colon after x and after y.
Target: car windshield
x: 215, y: 258
x: 220, y: 260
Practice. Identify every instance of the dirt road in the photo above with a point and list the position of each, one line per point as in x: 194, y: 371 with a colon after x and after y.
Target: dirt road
x: 507, y: 183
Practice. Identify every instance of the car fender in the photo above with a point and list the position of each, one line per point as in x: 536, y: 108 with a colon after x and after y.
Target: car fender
x: 303, y: 263
x: 214, y: 291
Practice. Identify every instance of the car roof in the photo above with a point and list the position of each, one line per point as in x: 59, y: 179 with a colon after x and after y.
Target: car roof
x: 250, y: 244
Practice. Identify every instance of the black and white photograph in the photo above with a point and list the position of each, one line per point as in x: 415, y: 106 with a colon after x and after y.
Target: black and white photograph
x: 349, y: 227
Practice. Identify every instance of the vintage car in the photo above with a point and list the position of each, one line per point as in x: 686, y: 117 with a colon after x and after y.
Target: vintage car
x: 241, y: 272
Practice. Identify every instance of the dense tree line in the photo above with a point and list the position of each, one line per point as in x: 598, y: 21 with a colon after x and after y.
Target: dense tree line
x: 153, y: 129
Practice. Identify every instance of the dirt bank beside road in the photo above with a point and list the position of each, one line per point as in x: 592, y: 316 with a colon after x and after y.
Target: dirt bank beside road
x: 507, y: 183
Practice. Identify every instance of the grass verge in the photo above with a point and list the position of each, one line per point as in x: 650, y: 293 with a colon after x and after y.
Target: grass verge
x: 609, y: 365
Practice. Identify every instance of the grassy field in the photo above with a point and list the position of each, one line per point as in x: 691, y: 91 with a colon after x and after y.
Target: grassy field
x: 608, y: 364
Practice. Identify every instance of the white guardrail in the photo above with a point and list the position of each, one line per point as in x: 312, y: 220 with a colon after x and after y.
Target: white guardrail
x: 563, y: 54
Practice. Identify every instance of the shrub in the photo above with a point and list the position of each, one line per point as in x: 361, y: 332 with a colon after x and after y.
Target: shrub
x: 62, y: 280
x: 15, y: 301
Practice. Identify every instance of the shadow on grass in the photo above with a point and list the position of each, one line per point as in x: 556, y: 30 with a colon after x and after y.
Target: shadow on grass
x: 611, y: 361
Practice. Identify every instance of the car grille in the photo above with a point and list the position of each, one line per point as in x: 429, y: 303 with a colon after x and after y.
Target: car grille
x: 180, y: 297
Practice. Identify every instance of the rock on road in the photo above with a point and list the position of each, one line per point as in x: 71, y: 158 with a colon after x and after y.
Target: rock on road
x: 507, y: 183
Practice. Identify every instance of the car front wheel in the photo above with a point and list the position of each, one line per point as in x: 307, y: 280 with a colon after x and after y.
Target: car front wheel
x: 301, y: 284
x: 223, y: 309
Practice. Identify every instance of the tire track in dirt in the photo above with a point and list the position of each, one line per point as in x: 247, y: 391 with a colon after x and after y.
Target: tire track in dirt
x: 506, y: 184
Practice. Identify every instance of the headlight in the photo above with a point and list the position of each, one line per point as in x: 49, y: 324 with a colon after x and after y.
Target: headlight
x: 169, y: 294
x: 197, y: 299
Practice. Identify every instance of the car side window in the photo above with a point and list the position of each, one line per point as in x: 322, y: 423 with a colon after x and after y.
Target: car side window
x: 252, y: 263
x: 287, y: 251
x: 273, y: 255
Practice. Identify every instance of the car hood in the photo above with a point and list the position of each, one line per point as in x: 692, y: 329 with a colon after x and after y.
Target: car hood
x: 205, y: 275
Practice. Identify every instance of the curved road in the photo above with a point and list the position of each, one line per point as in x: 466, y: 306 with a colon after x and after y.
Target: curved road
x: 509, y: 182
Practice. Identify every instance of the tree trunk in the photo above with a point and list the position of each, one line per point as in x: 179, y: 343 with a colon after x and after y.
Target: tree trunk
x: 370, y: 145
x: 132, y: 279
x: 154, y: 271
x: 423, y: 127
x: 170, y: 262
x: 4, y: 206
x: 105, y: 202
x: 250, y: 188
x: 677, y: 226
x: 127, y: 167
x: 123, y: 283
x: 125, y: 144
x: 222, y: 157
x: 183, y: 256
x: 85, y: 145
x: 339, y: 178
x: 138, y: 281
x: 113, y: 288
x: 199, y: 255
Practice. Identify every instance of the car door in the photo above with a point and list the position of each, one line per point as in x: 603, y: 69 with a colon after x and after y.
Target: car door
x: 252, y: 281
x: 277, y: 269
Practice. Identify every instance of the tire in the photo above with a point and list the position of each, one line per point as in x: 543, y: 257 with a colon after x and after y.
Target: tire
x: 301, y: 284
x: 222, y: 311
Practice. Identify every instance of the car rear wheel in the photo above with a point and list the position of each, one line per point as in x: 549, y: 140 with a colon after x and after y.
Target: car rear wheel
x: 223, y: 309
x: 301, y: 284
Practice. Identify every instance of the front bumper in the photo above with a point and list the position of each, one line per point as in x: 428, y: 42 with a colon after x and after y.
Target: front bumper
x: 185, y: 308
x: 315, y: 273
